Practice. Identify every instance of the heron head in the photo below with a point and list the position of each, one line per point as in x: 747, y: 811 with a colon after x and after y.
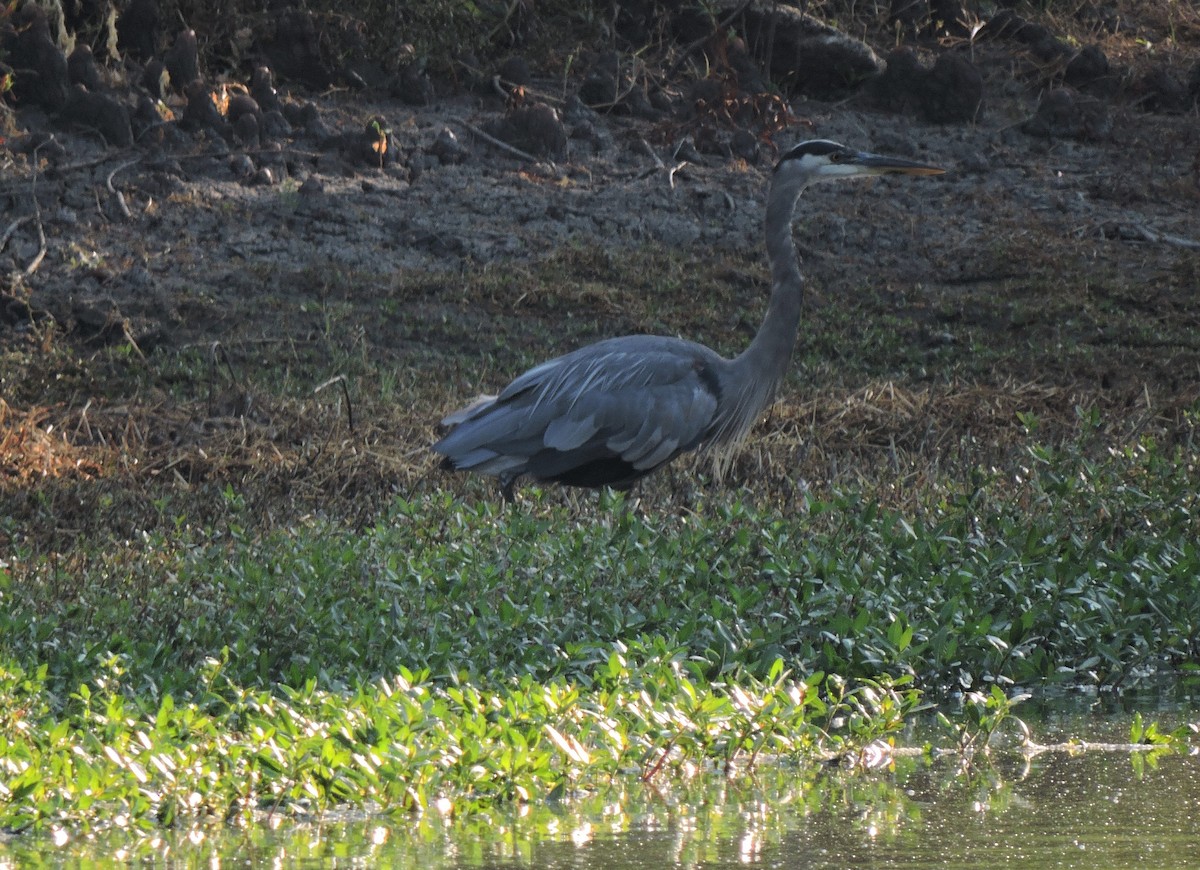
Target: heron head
x: 821, y: 160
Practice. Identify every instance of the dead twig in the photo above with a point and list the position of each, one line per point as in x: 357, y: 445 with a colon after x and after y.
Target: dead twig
x: 1156, y: 237
x: 660, y: 166
x: 503, y: 146
x: 120, y: 197
x: 12, y: 228
x: 340, y: 379
x: 653, y: 154
x: 37, y: 216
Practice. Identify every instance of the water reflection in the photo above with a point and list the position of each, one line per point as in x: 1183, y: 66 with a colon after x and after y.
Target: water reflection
x: 1092, y: 809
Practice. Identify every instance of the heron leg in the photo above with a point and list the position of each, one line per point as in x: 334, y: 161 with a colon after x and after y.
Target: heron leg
x: 506, y: 487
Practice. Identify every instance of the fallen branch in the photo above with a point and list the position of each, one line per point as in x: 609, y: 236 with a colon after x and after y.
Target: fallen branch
x: 12, y: 228
x: 120, y: 197
x: 41, y: 254
x: 503, y: 146
x: 1143, y: 233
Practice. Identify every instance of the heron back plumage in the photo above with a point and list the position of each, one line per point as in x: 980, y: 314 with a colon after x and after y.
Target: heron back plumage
x: 603, y: 415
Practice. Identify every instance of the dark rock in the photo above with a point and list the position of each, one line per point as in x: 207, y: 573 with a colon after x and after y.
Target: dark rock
x: 155, y: 79
x: 312, y: 186
x: 535, y: 128
x: 82, y: 68
x: 469, y: 71
x: 201, y: 112
x: 1163, y: 92
x: 575, y: 112
x: 137, y: 30
x: 306, y: 117
x: 1064, y: 114
x: 413, y: 86
x: 448, y: 149
x: 145, y: 118
x: 262, y: 88
x: 241, y: 166
x: 239, y: 105
x: 953, y: 91
x: 101, y: 112
x: 41, y: 69
x: 1194, y: 82
x: 183, y: 60
x: 1090, y: 64
x: 262, y: 178
x: 1043, y: 44
x: 273, y: 125
x: 950, y: 92
x: 898, y: 87
x: 272, y: 154
x: 599, y: 89
x: 245, y: 130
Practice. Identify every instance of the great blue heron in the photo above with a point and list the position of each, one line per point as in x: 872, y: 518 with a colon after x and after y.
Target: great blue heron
x: 612, y: 412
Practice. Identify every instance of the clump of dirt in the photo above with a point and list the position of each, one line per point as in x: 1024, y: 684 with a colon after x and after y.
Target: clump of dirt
x: 191, y: 250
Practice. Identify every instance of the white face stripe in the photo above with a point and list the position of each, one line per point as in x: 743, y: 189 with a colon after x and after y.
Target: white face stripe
x: 819, y: 167
x: 813, y: 147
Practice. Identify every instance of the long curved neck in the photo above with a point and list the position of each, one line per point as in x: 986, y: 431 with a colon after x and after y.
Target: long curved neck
x: 766, y: 359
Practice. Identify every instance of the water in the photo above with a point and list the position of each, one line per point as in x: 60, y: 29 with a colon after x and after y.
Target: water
x: 1091, y: 809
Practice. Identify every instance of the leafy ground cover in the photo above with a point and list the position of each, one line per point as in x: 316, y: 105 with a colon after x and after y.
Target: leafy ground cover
x: 455, y: 654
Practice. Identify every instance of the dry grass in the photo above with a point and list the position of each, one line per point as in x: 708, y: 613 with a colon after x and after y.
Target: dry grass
x: 33, y: 448
x: 114, y: 470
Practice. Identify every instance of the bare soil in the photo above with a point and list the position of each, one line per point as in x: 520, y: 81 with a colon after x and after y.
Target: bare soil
x: 173, y: 318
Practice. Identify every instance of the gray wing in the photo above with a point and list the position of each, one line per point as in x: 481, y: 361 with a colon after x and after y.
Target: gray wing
x: 640, y: 400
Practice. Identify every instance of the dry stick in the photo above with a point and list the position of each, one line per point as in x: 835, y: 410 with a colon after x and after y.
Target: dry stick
x: 12, y: 228
x: 341, y: 379
x: 37, y: 216
x: 129, y: 337
x: 116, y: 193
x: 649, y: 150
x: 503, y: 146
x: 1154, y: 236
